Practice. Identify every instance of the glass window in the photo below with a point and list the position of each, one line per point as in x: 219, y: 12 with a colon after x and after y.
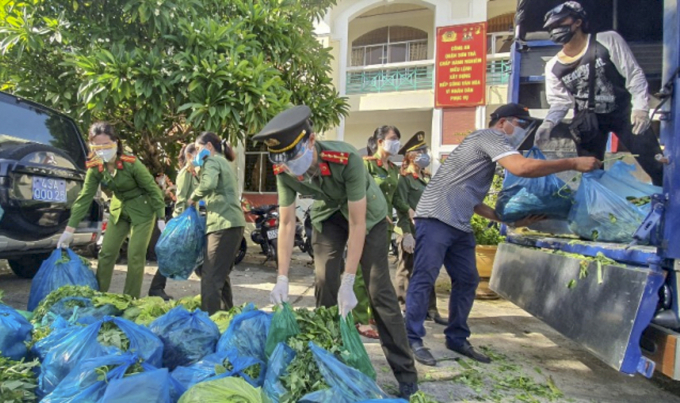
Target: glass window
x: 259, y: 172
x: 397, y: 53
x: 374, y: 55
x: 395, y: 44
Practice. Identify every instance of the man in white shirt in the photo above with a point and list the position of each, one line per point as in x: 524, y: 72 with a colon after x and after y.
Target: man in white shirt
x: 621, y: 98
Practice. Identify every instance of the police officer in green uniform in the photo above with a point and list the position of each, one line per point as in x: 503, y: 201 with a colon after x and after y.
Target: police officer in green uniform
x: 349, y: 210
x: 186, y: 183
x: 383, y: 144
x: 136, y: 206
x: 412, y: 183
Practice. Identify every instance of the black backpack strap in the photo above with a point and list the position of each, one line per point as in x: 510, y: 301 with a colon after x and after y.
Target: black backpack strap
x: 592, y: 74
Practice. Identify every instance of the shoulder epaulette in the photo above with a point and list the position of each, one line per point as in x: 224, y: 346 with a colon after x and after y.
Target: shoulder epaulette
x: 95, y: 163
x: 128, y: 158
x: 336, y: 157
x: 278, y: 168
x: 369, y: 158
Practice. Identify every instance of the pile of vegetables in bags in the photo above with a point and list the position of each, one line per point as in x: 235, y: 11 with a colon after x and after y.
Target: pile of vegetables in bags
x: 608, y: 205
x: 84, y: 345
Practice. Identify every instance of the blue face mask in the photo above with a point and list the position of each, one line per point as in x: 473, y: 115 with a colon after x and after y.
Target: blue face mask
x: 301, y: 164
x: 200, y: 157
x: 422, y: 160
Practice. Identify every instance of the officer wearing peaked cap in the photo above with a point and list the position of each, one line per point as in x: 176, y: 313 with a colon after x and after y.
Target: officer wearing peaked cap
x: 349, y: 210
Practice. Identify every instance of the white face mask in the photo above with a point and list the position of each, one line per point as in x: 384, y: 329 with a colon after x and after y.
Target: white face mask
x: 391, y: 146
x: 107, y: 154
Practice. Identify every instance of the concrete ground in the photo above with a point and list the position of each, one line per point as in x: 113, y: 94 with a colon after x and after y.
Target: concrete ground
x: 532, y: 363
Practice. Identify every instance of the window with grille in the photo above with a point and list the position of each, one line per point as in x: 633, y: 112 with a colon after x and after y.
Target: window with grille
x: 395, y: 44
x: 259, y: 172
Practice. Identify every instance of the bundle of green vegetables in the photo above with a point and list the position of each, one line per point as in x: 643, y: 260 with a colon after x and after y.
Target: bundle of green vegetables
x: 17, y: 380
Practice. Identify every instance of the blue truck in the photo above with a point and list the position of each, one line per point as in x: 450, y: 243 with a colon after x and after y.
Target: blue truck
x: 629, y: 315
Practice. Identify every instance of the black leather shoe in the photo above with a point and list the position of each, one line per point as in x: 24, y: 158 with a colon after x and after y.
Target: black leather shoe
x: 407, y: 389
x: 467, y: 350
x: 422, y: 355
x: 437, y: 318
x: 160, y: 293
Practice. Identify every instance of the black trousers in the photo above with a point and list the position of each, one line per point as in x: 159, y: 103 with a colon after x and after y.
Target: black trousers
x: 329, y: 245
x: 220, y: 253
x: 645, y: 145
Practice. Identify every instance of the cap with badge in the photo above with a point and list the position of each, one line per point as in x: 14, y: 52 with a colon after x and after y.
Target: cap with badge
x: 513, y: 110
x: 415, y: 143
x: 284, y: 135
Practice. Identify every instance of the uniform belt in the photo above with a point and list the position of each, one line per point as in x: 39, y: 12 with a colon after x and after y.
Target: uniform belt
x: 130, y: 194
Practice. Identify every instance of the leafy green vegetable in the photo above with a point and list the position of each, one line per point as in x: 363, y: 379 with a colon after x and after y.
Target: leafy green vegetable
x: 111, y: 335
x: 190, y: 303
x: 17, y: 380
x: 57, y: 295
x: 120, y: 301
x: 223, y: 318
x: 103, y: 371
x: 2, y: 293
x: 485, y: 234
x: 229, y: 389
x: 639, y: 201
x: 422, y: 397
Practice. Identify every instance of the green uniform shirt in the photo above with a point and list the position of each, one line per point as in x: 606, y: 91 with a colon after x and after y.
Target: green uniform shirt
x: 409, y: 190
x: 186, y: 184
x: 135, y: 192
x: 386, y: 177
x: 342, y: 178
x: 218, y: 187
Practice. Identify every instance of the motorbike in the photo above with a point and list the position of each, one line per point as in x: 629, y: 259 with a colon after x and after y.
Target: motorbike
x: 266, y: 232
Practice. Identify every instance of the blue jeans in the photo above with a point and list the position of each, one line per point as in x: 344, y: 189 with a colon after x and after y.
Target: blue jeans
x: 440, y: 244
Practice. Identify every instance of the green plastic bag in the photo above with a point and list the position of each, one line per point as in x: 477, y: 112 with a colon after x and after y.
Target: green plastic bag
x: 223, y: 390
x: 283, y: 326
x: 354, y: 354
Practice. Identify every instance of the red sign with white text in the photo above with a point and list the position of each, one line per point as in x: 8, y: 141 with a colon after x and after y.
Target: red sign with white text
x: 461, y: 66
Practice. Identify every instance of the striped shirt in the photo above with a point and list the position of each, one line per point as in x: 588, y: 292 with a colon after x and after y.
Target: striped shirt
x: 464, y: 179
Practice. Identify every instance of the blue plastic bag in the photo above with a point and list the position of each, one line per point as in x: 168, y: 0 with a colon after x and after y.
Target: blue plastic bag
x: 187, y: 336
x: 61, y: 328
x: 80, y: 310
x: 276, y: 368
x: 348, y: 383
x: 83, y: 344
x: 522, y: 197
x: 206, y: 369
x: 14, y: 331
x: 57, y: 271
x: 180, y: 247
x: 599, y: 214
x: 619, y: 179
x: 102, y: 379
x: 247, y: 333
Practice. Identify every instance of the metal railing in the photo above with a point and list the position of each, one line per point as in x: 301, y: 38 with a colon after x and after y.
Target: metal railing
x: 411, y: 76
x: 498, y: 72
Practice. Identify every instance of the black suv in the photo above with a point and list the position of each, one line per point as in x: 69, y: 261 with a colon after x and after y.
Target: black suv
x: 42, y: 169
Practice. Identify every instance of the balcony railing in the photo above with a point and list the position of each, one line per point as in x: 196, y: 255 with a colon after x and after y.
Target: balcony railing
x: 412, y: 76
x: 498, y: 72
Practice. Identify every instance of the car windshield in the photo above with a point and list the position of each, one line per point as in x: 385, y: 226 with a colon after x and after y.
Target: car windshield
x: 22, y: 122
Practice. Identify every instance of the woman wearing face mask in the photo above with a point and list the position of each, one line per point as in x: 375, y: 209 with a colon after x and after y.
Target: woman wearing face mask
x: 412, y: 182
x: 187, y: 181
x: 383, y: 144
x: 218, y: 187
x: 136, y: 206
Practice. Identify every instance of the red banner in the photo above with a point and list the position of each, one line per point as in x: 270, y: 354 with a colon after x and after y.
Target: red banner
x: 461, y: 66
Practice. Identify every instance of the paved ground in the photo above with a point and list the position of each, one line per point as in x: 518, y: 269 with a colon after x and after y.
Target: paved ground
x: 529, y: 356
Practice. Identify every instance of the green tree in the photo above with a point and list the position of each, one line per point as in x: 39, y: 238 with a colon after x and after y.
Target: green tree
x: 164, y: 70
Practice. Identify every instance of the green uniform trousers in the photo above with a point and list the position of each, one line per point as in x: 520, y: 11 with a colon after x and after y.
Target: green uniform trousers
x: 140, y: 235
x: 362, y: 312
x: 221, y: 248
x: 329, y: 245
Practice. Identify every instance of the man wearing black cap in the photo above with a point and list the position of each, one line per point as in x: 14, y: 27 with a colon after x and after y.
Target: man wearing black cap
x: 619, y: 86
x: 349, y: 210
x: 443, y: 232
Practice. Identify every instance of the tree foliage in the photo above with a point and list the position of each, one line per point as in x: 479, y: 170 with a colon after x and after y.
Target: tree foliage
x: 164, y: 70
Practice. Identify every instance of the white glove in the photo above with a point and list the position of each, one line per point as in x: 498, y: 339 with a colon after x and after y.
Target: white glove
x: 65, y: 240
x: 279, y: 293
x: 640, y: 121
x: 408, y: 243
x: 543, y: 133
x: 161, y: 225
x: 346, y: 298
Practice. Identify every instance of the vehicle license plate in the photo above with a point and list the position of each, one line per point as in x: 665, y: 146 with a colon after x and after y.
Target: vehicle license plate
x: 49, y: 190
x: 273, y: 234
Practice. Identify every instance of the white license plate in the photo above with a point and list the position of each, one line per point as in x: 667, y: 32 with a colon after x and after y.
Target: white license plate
x: 273, y: 234
x: 49, y: 190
